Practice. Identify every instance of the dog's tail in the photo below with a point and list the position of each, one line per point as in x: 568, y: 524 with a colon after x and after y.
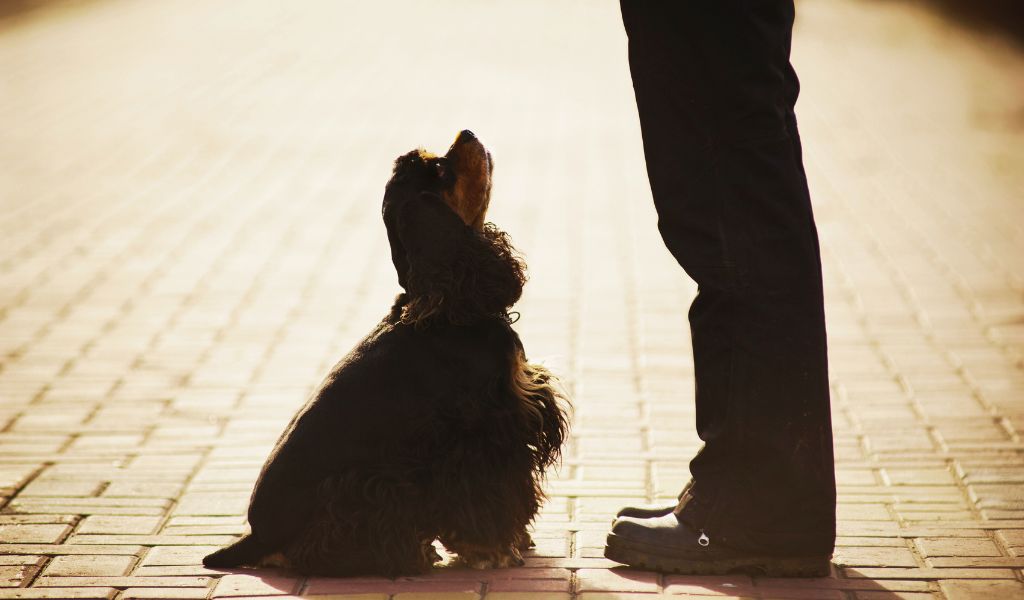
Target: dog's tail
x: 245, y: 551
x: 546, y: 407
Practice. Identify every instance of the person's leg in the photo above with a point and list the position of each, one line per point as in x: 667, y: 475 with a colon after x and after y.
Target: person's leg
x: 715, y: 94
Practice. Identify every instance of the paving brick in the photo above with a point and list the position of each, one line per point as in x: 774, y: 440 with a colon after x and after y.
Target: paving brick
x: 379, y: 585
x: 73, y: 504
x: 981, y: 590
x: 960, y: 547
x: 33, y: 533
x: 61, y: 488
x: 130, y: 489
x: 869, y: 542
x: 350, y: 596
x: 9, y: 519
x: 529, y: 585
x: 617, y: 580
x: 918, y: 476
x: 435, y: 596
x: 238, y: 529
x: 21, y: 560
x: 153, y: 540
x: 212, y: 504
x: 805, y: 594
x: 254, y: 585
x: 163, y: 593
x: 852, y: 584
x: 518, y: 580
x: 962, y: 530
x: 125, y: 582
x: 868, y: 595
x: 175, y: 571
x: 90, y: 565
x: 572, y: 563
x: 927, y: 573
x: 87, y: 510
x: 526, y: 596
x: 618, y: 596
x: 731, y: 586
x: 96, y: 593
x: 880, y: 557
x: 17, y: 575
x: 62, y: 549
x: 550, y: 547
x: 206, y: 521
x: 176, y: 555
x: 109, y: 524
x: 933, y: 517
x: 863, y: 512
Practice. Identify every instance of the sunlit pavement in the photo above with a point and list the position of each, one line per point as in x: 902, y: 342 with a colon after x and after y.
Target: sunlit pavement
x: 190, y: 236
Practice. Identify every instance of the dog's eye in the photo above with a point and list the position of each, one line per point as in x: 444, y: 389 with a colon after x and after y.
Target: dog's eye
x: 442, y: 169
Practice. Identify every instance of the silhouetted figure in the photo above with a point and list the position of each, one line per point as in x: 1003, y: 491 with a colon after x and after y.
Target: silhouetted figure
x: 715, y: 93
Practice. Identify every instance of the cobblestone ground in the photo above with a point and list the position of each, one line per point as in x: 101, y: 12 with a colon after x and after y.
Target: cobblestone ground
x: 191, y: 236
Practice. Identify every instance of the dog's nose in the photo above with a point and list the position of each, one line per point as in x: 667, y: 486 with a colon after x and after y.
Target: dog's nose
x: 466, y: 135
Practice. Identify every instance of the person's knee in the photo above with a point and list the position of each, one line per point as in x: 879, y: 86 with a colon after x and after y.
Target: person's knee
x: 694, y: 241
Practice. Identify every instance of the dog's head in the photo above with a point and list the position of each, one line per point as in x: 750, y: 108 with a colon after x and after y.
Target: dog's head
x: 454, y: 267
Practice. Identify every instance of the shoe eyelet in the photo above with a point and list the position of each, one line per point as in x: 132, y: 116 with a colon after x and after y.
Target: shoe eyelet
x: 704, y: 540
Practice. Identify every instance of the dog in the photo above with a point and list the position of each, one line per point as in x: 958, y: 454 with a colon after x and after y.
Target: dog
x: 435, y: 426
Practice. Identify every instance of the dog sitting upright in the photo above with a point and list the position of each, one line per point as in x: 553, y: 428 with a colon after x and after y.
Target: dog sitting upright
x: 435, y: 426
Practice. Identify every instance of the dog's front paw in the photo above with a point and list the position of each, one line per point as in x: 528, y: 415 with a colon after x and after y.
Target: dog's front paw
x: 524, y: 541
x: 493, y: 560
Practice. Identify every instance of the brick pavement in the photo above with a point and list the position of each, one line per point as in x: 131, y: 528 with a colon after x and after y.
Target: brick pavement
x: 190, y: 236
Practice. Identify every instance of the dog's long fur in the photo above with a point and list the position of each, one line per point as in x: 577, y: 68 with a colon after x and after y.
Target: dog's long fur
x: 434, y: 427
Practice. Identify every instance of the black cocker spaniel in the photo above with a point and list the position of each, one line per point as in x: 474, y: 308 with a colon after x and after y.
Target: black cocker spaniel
x: 435, y: 426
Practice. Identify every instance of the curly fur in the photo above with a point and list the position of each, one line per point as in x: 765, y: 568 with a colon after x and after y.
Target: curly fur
x: 485, y: 279
x: 434, y: 427
x: 541, y: 399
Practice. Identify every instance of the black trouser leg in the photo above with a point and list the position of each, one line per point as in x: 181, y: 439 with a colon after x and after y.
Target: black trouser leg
x: 715, y: 94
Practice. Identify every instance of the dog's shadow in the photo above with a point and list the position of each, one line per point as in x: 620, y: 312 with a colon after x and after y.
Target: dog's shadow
x: 450, y: 576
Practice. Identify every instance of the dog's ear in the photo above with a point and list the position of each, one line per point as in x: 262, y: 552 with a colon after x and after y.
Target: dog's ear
x: 427, y: 233
x: 451, y: 271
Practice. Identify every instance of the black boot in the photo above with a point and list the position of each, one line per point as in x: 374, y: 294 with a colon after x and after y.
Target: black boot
x: 667, y: 545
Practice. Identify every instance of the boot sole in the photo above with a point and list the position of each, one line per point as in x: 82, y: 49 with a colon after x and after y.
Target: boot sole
x: 642, y: 557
